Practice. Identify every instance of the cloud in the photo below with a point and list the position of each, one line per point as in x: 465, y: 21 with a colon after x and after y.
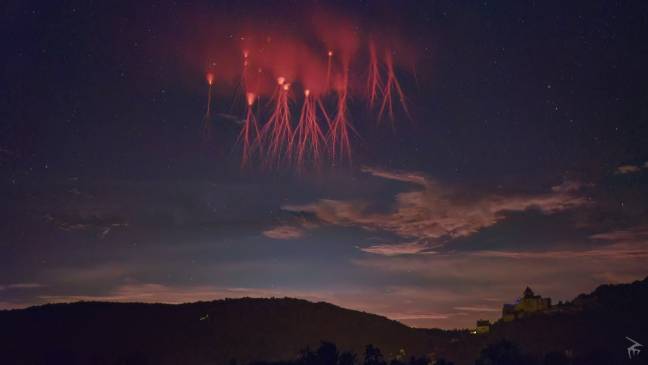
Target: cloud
x: 627, y: 169
x: 415, y: 316
x: 100, y: 226
x: 636, y: 234
x: 161, y: 293
x: 296, y: 229
x: 6, y: 154
x: 284, y: 233
x: 478, y: 309
x: 411, y: 177
x: 569, y: 186
x: 20, y: 286
x: 398, y: 249
x: 616, y: 251
x: 14, y: 305
x: 433, y: 213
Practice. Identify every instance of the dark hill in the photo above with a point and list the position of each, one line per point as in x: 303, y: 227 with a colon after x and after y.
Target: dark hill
x: 242, y: 329
x: 591, y: 329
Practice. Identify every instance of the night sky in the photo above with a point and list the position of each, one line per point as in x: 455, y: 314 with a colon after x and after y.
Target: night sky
x: 524, y: 160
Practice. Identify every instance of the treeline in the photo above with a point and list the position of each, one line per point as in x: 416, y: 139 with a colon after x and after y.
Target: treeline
x: 328, y: 354
x: 509, y: 353
x: 500, y: 353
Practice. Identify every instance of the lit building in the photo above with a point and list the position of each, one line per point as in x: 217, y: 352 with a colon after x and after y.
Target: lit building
x: 483, y: 326
x: 529, y: 303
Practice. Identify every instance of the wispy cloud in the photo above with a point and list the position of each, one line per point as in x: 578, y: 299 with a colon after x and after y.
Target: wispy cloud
x: 398, y: 249
x: 636, y: 234
x: 20, y: 286
x: 630, y: 169
x: 6, y: 154
x: 284, y: 233
x: 616, y: 251
x: 478, y: 309
x: 160, y: 293
x: 100, y: 226
x: 433, y: 213
x: 416, y: 316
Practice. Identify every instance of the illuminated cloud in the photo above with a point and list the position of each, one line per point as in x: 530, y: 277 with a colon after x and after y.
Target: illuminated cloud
x: 478, y: 309
x: 627, y: 169
x: 7, y: 154
x: 415, y: 316
x: 96, y: 224
x: 20, y: 286
x: 398, y: 249
x: 631, y: 235
x: 284, y: 233
x: 569, y: 186
x: 434, y: 213
x: 411, y: 177
x: 615, y: 251
x: 160, y: 293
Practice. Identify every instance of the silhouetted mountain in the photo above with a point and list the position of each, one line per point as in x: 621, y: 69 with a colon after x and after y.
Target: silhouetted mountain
x: 241, y: 329
x: 589, y: 330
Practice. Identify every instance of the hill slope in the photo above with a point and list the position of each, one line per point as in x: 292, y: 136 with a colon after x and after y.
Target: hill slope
x: 242, y: 329
x: 591, y: 329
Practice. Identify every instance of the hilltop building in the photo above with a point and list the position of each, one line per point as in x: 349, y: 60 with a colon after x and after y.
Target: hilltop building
x: 529, y: 303
x: 483, y: 326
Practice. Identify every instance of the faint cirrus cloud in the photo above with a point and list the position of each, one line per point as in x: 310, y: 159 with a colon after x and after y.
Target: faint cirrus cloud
x: 284, y: 232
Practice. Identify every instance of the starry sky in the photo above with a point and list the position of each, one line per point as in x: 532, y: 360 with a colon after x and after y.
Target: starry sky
x: 525, y: 162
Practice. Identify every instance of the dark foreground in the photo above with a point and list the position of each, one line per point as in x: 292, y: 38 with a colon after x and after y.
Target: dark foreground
x: 592, y: 329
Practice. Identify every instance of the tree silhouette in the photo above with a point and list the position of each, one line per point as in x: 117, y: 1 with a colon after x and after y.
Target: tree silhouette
x: 373, y: 356
x: 556, y: 358
x: 421, y: 361
x: 347, y: 358
x: 326, y: 354
x: 503, y: 353
x: 443, y: 361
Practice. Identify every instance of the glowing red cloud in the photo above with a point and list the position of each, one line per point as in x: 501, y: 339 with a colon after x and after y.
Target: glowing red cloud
x: 210, y: 78
x: 317, y: 60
